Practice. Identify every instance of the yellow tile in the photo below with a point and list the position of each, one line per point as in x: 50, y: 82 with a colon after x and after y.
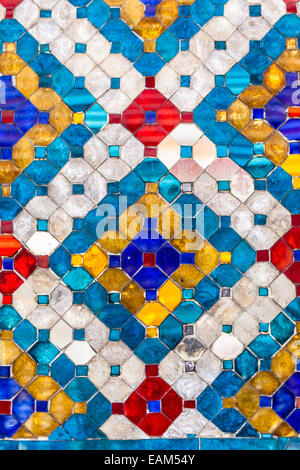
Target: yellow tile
x: 296, y: 182
x: 291, y: 43
x: 95, y: 261
x: 274, y: 79
x: 187, y: 276
x: 10, y: 63
x: 257, y: 131
x: 6, y: 190
x: 10, y: 46
x: 27, y: 81
x: 188, y: 241
x: 23, y: 153
x: 169, y: 223
x: 289, y: 60
x: 247, y: 400
x: 149, y: 28
x: 24, y: 369
x: 207, y: 258
x: 152, y: 205
x: 113, y: 280
x: 293, y: 346
x: 152, y: 314
x: 8, y: 171
x: 298, y: 326
x: 149, y: 45
x: 45, y: 99
x: 132, y: 11
x: 7, y: 334
x: 41, y: 424
x: 221, y: 115
x: 265, y: 420
x: 265, y: 382
x: 228, y: 402
x: 76, y: 260
x: 23, y: 433
x: 282, y: 365
x: 41, y: 135
x: 113, y: 242
x: 80, y: 407
x: 292, y: 165
x: 132, y: 297
x: 285, y: 430
x: 78, y: 118
x: 130, y: 223
x: 167, y: 12
x: 60, y: 117
x: 276, y: 148
x: 43, y: 388
x: 152, y: 332
x: 61, y: 406
x: 170, y: 295
x: 9, y: 351
x: 151, y: 187
x: 255, y: 96
x: 238, y: 114
x: 225, y: 257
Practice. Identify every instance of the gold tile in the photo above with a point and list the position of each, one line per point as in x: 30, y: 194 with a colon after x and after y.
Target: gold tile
x: 255, y: 96
x: 9, y: 351
x: 132, y: 11
x: 291, y: 43
x: 80, y: 407
x: 207, y: 258
x: 151, y: 205
x: 6, y: 190
x: 95, y: 261
x: 169, y: 295
x: 24, y: 369
x: 225, y: 257
x: 130, y: 223
x: 169, y: 223
x: 149, y: 45
x: 152, y: 332
x: 296, y: 183
x: 283, y: 365
x: 152, y: 188
x: 27, y: 81
x: 41, y: 424
x: 285, y: 430
x: 188, y: 241
x: 7, y: 334
x: 60, y: 117
x: 23, y: 433
x: 10, y: 46
x: 132, y: 297
x: 152, y: 314
x: 167, y: 12
x: 257, y: 131
x: 10, y: 63
x: 113, y: 280
x: 61, y: 407
x: 149, y: 28
x: 113, y: 242
x: 187, y: 276
x: 293, y: 346
x: 247, y: 400
x: 265, y: 382
x: 238, y: 114
x: 77, y: 260
x: 289, y: 60
x: 276, y: 148
x: 78, y: 118
x: 228, y: 402
x: 42, y: 388
x: 221, y: 115
x: 45, y: 99
x: 265, y: 420
x: 274, y: 79
x: 41, y: 135
x: 8, y: 171
x: 292, y: 165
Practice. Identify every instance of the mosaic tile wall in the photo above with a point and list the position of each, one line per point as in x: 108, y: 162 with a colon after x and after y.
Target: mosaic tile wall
x: 150, y: 223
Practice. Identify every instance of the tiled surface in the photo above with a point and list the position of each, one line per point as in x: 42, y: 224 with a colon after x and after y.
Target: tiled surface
x: 150, y: 224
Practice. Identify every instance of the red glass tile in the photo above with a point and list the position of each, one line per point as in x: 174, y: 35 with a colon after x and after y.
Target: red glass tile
x: 153, y: 388
x: 5, y: 407
x: 150, y: 152
x: 117, y: 408
x: 293, y: 272
x: 133, y: 118
x: 6, y: 226
x: 151, y: 135
x: 150, y: 100
x: 187, y: 117
x: 281, y: 255
x: 293, y: 237
x: 115, y: 118
x: 189, y: 404
x: 168, y: 116
x: 171, y: 405
x: 151, y: 370
x: 135, y: 408
x: 9, y: 245
x: 262, y: 255
x: 155, y: 424
x: 7, y: 117
x: 294, y: 111
x: 7, y: 300
x: 149, y: 260
x: 25, y: 263
x: 150, y: 82
x: 42, y: 261
x: 298, y: 290
x: 9, y: 282
x: 296, y: 220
